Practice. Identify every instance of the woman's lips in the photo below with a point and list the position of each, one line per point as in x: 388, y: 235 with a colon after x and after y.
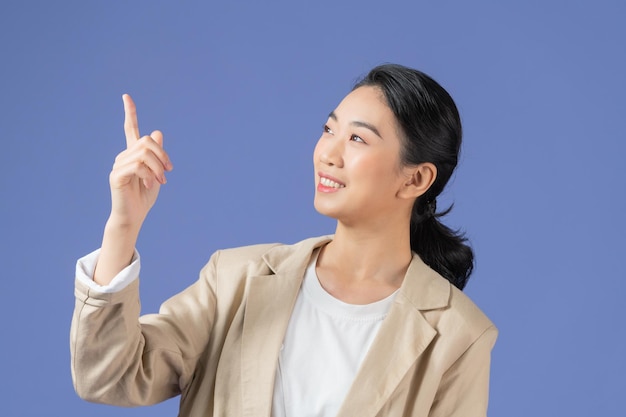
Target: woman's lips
x: 328, y: 184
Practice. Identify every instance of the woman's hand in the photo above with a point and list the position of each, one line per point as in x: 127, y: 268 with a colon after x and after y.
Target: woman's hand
x: 138, y: 172
x: 135, y: 180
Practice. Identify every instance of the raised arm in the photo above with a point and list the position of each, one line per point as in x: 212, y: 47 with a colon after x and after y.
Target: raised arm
x: 135, y: 180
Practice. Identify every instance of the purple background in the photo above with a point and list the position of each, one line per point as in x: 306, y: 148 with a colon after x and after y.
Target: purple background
x: 241, y: 92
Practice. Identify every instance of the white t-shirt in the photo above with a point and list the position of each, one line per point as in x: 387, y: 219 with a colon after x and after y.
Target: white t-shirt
x: 325, y: 344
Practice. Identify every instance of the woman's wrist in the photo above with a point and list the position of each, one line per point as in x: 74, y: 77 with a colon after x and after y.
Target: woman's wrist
x: 118, y: 246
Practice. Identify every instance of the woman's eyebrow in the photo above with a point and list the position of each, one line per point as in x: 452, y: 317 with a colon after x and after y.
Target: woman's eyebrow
x: 358, y: 123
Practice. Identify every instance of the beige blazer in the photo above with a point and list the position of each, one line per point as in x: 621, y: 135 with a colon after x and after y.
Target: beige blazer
x: 217, y: 342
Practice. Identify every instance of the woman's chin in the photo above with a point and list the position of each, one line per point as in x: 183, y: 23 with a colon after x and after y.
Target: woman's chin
x: 325, y: 209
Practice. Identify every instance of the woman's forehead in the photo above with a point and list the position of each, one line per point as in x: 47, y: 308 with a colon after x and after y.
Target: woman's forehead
x: 366, y: 103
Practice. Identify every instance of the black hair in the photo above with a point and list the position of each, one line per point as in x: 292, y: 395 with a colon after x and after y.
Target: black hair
x: 430, y: 128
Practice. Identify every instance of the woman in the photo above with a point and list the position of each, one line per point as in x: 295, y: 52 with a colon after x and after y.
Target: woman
x: 367, y: 322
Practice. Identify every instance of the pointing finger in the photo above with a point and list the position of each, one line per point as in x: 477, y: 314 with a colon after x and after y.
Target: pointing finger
x: 131, y: 127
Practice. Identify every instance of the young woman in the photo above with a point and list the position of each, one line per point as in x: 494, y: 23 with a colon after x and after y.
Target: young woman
x: 368, y: 322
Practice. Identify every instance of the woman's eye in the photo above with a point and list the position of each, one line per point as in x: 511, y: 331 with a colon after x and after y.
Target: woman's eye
x: 356, y: 138
x: 328, y: 129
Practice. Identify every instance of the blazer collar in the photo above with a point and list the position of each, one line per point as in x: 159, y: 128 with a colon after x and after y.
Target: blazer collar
x: 422, y: 286
x: 402, y: 338
x: 293, y: 259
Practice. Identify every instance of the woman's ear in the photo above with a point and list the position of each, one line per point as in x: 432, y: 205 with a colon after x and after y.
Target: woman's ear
x: 418, y: 181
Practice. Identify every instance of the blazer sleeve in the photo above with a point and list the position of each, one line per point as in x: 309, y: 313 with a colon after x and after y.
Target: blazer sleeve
x: 464, y: 388
x: 120, y: 358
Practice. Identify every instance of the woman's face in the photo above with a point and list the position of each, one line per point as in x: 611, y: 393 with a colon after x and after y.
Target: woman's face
x: 358, y: 174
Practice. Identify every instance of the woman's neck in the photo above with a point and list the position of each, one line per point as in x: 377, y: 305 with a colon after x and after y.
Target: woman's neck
x: 363, y: 266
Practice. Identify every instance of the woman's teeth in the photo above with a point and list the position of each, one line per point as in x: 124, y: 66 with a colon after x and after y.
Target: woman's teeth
x: 330, y: 183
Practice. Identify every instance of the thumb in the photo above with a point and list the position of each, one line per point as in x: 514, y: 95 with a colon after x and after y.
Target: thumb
x: 157, y: 136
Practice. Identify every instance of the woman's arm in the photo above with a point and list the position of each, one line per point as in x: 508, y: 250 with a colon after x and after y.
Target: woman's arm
x: 118, y: 358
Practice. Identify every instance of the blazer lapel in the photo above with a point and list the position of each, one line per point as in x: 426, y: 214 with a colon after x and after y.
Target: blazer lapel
x: 268, y: 309
x: 269, y: 304
x: 402, y: 338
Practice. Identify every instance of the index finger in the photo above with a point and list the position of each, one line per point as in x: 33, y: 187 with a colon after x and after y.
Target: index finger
x: 131, y: 127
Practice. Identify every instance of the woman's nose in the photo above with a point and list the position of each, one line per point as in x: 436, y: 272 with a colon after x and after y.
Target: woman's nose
x: 332, y: 153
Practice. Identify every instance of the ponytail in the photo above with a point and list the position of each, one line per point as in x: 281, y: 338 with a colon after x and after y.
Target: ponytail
x: 440, y: 247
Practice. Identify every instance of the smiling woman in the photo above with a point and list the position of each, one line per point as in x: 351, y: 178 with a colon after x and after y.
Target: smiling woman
x: 370, y: 321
